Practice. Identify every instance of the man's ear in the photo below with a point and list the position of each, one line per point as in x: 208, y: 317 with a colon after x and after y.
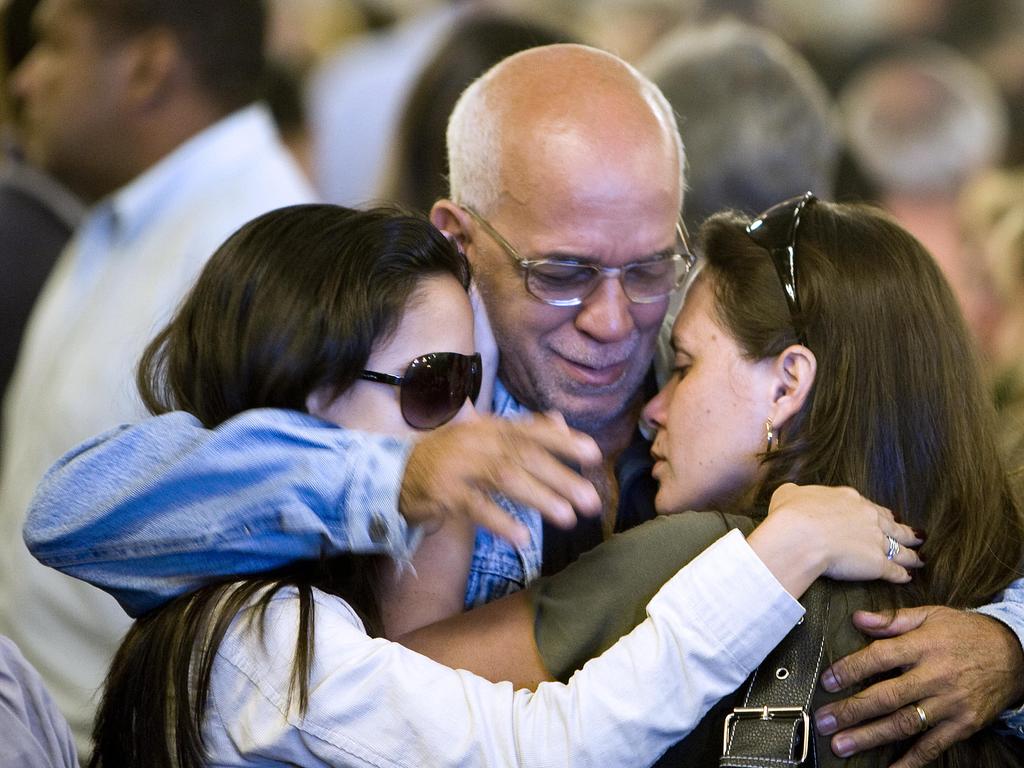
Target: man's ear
x: 794, y: 370
x: 452, y: 220
x: 154, y: 64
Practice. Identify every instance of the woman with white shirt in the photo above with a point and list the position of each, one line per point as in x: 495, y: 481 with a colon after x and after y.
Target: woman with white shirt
x: 362, y: 319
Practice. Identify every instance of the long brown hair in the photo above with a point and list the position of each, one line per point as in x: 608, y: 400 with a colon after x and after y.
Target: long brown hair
x: 898, y: 409
x: 297, y: 299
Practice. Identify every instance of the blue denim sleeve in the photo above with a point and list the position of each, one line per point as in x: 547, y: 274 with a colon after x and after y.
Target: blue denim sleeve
x: 152, y: 511
x: 1009, y: 609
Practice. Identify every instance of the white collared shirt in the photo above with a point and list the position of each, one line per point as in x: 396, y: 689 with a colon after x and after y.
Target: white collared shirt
x: 118, y: 281
x: 376, y: 703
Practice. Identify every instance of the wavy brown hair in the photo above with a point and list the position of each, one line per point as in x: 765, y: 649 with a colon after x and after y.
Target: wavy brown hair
x: 295, y: 300
x: 898, y: 409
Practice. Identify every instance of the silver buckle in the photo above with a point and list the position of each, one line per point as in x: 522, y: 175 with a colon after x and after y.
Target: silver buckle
x: 769, y: 713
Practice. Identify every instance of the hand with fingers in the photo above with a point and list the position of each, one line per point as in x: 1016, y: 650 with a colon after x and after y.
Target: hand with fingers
x: 813, y: 531
x: 959, y: 671
x: 453, y: 470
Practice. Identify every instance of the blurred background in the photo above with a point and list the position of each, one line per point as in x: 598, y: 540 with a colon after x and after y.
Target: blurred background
x: 915, y: 105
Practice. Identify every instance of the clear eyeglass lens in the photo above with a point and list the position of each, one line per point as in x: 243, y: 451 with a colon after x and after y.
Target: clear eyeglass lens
x: 564, y: 281
x: 561, y: 282
x: 652, y: 279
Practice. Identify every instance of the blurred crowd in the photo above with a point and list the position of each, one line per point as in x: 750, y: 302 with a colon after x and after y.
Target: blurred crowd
x: 915, y: 106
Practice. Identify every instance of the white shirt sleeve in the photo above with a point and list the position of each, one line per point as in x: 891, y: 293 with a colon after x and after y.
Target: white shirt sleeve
x: 376, y: 703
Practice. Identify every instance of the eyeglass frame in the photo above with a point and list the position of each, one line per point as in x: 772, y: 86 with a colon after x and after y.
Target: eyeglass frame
x: 784, y: 256
x: 687, y: 256
x: 476, y: 368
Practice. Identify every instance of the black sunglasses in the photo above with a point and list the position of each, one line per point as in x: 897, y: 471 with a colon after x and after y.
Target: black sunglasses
x: 434, y: 386
x: 775, y: 230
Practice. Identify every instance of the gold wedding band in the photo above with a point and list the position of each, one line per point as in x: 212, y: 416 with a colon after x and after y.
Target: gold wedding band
x: 922, y: 717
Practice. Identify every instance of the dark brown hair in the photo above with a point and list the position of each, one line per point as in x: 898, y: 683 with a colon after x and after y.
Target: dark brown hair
x: 898, y: 409
x: 295, y: 300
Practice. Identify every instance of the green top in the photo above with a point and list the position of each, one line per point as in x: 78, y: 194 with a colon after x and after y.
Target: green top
x: 620, y: 577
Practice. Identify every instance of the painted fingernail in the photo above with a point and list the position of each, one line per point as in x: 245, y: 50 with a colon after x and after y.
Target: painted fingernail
x: 843, y: 746
x: 828, y: 680
x: 920, y: 533
x: 825, y: 723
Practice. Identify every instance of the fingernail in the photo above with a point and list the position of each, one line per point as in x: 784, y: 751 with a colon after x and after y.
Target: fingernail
x: 919, y: 533
x: 828, y: 680
x: 843, y: 746
x: 869, y: 619
x: 825, y: 723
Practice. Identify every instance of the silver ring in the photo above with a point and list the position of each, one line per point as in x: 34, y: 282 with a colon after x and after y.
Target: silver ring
x: 894, y: 548
x: 922, y: 717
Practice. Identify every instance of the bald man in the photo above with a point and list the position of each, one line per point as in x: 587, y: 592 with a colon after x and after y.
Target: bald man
x: 598, y: 184
x: 558, y: 154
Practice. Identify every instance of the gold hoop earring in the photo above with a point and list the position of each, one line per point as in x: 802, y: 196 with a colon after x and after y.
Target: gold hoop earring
x: 769, y: 429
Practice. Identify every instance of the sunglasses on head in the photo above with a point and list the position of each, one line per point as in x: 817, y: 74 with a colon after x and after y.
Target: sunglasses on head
x: 775, y: 230
x: 434, y: 387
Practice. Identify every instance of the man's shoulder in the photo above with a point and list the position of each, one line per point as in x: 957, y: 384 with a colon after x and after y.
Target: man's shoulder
x: 194, y: 226
x: 221, y: 177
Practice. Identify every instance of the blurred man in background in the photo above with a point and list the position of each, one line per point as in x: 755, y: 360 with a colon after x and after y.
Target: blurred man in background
x: 146, y: 110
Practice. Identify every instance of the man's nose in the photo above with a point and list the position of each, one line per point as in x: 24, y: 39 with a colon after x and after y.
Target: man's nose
x: 605, y: 314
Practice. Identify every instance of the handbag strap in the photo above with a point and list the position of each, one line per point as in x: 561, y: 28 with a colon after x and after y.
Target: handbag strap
x: 772, y: 728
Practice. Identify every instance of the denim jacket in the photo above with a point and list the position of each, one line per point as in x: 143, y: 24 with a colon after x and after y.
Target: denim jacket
x: 499, y: 568
x: 155, y: 510
x: 152, y: 511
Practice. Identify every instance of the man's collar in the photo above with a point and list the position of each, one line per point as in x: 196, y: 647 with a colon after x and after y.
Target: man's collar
x: 224, y: 144
x: 505, y: 405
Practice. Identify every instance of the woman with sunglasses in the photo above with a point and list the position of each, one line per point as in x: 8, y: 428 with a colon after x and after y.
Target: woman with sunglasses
x: 325, y: 310
x: 819, y: 343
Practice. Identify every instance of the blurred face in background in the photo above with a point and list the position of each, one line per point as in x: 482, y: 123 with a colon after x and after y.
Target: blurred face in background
x: 71, y: 85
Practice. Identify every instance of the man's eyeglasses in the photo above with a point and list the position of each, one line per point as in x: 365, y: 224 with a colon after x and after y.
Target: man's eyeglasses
x: 775, y: 230
x: 434, y: 386
x: 566, y: 283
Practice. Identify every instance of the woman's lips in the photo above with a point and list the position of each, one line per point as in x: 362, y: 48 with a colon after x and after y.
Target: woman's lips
x: 659, y: 462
